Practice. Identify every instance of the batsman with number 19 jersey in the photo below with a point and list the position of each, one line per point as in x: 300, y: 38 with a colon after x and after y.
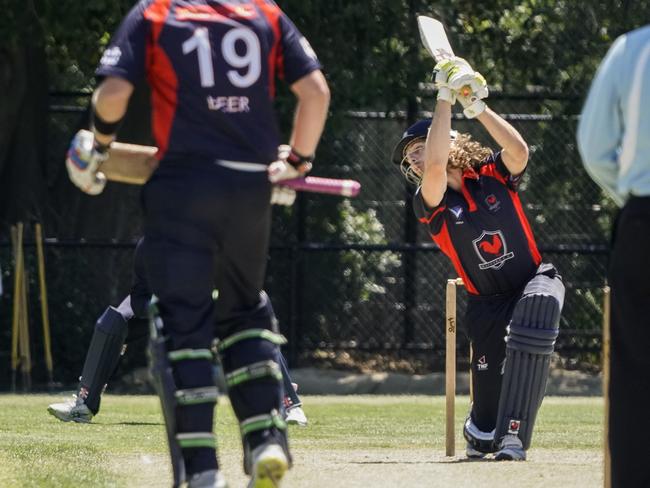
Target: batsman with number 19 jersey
x: 467, y: 198
x: 212, y: 67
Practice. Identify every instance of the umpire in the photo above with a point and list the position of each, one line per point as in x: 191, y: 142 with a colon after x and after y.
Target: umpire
x: 211, y: 67
x: 613, y: 138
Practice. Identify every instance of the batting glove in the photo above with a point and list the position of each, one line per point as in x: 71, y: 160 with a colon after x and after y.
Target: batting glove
x: 289, y: 165
x: 459, y: 73
x: 282, y: 195
x: 83, y: 160
x: 440, y: 77
x: 471, y: 96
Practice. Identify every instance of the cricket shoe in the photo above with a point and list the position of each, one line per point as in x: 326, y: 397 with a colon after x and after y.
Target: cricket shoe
x: 207, y: 479
x: 74, y: 410
x: 472, y: 453
x: 270, y: 463
x: 296, y: 416
x: 510, y: 449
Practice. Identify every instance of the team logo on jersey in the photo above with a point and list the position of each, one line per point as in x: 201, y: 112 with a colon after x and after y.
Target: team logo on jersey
x: 458, y: 213
x: 492, y: 249
x: 111, y: 56
x: 482, y: 364
x: 514, y: 426
x: 309, y: 51
x: 492, y: 202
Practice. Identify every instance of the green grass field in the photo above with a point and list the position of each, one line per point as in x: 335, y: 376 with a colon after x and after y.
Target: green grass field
x: 351, y: 441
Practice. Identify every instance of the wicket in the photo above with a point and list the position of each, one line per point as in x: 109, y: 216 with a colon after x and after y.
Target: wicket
x: 450, y: 366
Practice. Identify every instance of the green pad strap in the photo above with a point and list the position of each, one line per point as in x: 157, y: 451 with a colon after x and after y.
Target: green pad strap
x: 265, y: 334
x: 196, y: 439
x: 194, y: 396
x: 184, y: 354
x: 262, y: 422
x: 253, y: 372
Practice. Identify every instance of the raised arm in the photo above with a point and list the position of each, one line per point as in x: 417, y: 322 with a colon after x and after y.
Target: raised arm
x: 436, y: 154
x: 514, y: 150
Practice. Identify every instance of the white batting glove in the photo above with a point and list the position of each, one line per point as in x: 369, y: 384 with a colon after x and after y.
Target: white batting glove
x: 459, y: 73
x: 471, y: 96
x: 82, y: 162
x: 441, y: 83
x: 282, y: 195
x: 288, y: 166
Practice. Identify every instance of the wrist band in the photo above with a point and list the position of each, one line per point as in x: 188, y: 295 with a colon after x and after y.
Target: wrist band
x: 100, y: 126
x: 296, y: 160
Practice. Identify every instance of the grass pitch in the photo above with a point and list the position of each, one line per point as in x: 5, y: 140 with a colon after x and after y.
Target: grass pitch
x: 351, y: 441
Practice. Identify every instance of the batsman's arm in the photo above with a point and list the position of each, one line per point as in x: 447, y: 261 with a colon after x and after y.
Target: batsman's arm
x: 514, y: 148
x: 110, y: 101
x: 313, y: 96
x: 436, y: 155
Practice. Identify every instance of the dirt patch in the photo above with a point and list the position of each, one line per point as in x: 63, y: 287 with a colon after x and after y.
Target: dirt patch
x: 388, y: 468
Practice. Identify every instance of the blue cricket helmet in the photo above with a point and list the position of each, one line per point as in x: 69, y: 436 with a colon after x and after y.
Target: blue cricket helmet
x: 417, y: 130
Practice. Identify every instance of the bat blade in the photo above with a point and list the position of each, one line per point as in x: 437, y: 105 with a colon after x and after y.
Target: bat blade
x: 330, y: 186
x: 434, y: 38
x: 130, y: 163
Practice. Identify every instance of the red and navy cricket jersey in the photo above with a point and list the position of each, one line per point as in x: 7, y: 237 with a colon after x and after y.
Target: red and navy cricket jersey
x: 211, y: 66
x: 483, y: 230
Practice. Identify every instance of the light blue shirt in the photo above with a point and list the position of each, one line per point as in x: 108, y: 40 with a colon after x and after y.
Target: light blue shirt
x: 614, y: 128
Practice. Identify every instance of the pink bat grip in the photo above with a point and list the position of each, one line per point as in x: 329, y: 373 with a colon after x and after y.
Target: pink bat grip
x: 331, y: 186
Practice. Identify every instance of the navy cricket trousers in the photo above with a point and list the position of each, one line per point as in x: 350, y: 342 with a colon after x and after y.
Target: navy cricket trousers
x: 204, y: 221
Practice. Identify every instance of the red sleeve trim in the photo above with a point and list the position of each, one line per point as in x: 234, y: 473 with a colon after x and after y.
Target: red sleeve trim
x: 162, y: 78
x: 276, y: 57
x: 428, y: 220
x: 532, y: 245
x: 443, y: 239
x: 491, y: 170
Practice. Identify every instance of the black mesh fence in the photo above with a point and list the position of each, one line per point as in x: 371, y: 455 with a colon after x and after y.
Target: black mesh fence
x: 390, y: 282
x: 345, y: 274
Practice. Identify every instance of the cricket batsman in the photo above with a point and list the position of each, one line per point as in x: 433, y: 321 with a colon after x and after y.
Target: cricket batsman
x: 467, y: 198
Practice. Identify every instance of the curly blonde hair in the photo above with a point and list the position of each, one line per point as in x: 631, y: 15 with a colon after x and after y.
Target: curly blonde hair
x: 466, y: 153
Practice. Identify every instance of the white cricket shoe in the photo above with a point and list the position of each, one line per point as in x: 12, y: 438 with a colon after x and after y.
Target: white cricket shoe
x: 296, y: 416
x: 270, y: 463
x: 510, y: 449
x: 207, y: 479
x: 74, y: 410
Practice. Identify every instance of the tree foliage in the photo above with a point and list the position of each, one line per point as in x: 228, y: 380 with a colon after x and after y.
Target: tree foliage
x: 374, y: 61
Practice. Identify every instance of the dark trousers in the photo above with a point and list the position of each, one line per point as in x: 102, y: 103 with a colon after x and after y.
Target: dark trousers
x: 487, y: 319
x: 629, y: 393
x: 203, y: 220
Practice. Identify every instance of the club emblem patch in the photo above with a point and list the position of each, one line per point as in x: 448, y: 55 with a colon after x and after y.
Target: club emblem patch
x: 492, y: 249
x: 492, y: 202
x: 513, y: 427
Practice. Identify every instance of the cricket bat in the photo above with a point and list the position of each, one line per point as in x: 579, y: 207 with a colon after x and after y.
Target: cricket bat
x: 133, y: 164
x: 435, y: 40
